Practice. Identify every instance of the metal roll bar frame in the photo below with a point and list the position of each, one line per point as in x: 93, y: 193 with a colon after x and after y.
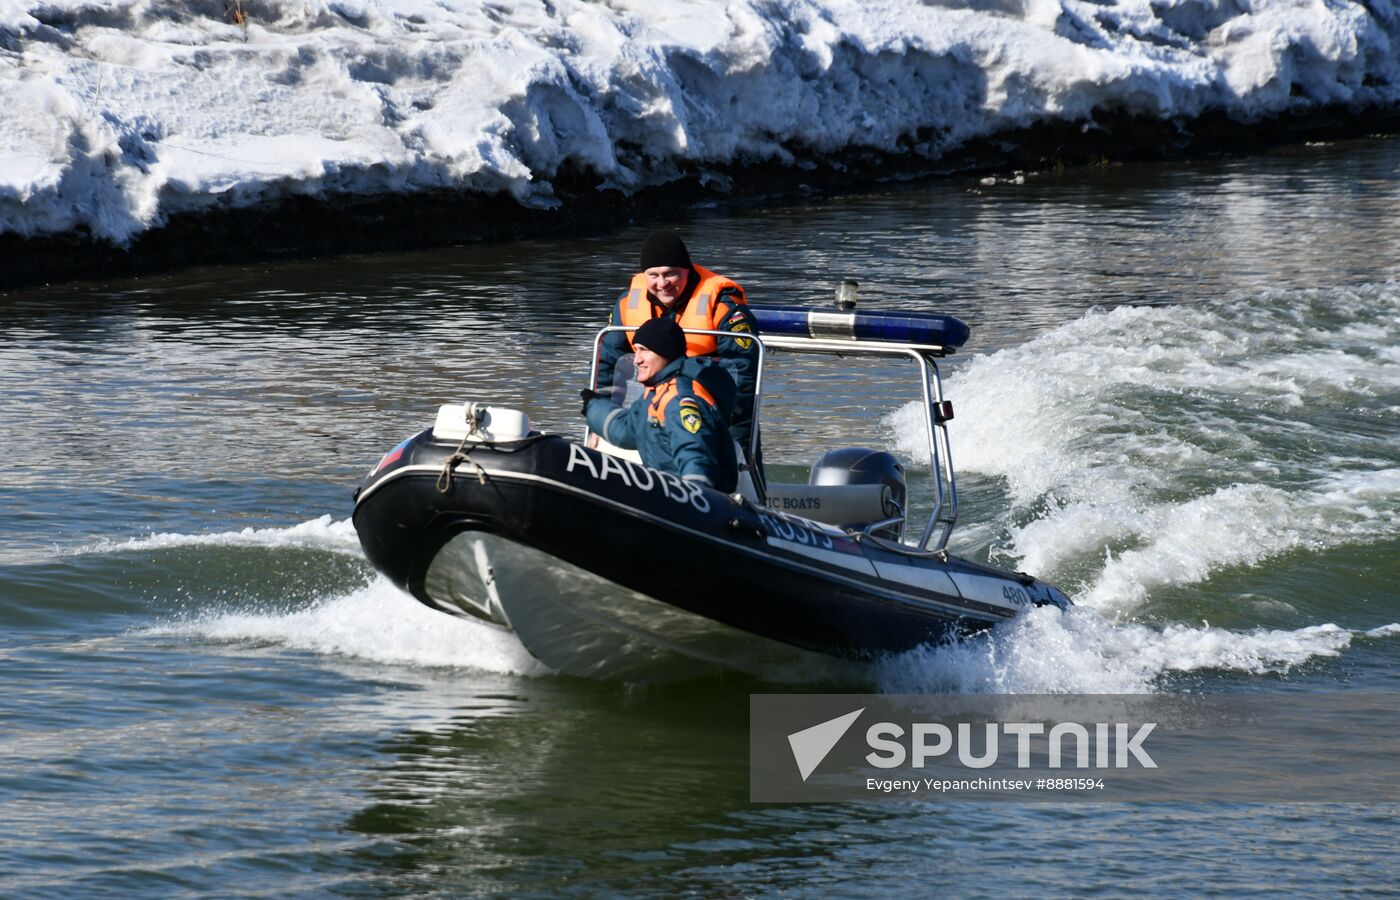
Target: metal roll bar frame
x: 945, y: 506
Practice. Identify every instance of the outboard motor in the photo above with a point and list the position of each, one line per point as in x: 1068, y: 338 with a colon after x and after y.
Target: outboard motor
x: 861, y: 465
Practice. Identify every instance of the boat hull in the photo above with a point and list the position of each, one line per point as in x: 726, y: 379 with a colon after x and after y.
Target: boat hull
x: 608, y: 569
x: 577, y: 622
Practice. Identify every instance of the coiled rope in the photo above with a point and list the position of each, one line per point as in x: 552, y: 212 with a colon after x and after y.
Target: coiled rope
x: 475, y: 412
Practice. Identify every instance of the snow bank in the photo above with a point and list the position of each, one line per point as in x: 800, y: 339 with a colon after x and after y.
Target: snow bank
x: 119, y: 113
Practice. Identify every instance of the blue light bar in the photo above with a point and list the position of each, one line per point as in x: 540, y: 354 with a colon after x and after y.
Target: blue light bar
x: 862, y: 325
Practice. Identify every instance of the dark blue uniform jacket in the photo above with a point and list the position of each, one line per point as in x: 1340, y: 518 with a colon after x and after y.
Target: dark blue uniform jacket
x: 673, y: 427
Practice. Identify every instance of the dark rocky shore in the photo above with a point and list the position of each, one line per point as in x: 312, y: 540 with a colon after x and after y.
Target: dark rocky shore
x: 302, y: 226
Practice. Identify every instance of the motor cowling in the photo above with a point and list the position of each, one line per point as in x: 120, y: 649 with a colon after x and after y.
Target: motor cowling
x: 862, y: 465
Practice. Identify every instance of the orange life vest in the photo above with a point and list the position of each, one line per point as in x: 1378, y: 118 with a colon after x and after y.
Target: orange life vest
x: 700, y: 312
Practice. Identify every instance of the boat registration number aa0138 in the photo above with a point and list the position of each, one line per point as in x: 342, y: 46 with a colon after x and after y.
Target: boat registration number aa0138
x: 642, y: 478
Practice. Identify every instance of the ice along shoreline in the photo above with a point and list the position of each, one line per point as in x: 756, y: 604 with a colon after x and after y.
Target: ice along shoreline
x: 295, y: 227
x: 146, y: 134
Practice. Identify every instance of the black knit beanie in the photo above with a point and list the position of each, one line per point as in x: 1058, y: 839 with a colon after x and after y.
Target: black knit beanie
x: 662, y: 337
x: 664, y: 248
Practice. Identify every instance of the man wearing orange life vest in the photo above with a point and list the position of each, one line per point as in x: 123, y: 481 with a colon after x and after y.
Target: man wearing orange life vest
x: 670, y: 286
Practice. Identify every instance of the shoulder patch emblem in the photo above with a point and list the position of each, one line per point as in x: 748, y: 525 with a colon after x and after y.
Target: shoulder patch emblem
x: 690, y: 418
x: 743, y: 342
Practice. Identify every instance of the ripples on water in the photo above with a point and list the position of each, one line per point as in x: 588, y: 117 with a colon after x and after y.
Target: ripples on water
x: 1180, y: 402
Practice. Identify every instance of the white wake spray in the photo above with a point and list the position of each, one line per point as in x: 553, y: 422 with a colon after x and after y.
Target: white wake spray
x: 378, y: 623
x: 322, y: 533
x: 1153, y: 448
x: 1081, y: 651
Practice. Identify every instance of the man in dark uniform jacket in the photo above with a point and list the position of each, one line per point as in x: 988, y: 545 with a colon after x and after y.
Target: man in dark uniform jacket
x: 677, y: 426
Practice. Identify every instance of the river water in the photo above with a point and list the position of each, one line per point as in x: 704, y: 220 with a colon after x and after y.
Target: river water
x: 1181, y: 403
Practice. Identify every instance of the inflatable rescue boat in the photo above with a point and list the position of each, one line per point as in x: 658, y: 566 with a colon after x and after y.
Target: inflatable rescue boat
x: 608, y: 569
